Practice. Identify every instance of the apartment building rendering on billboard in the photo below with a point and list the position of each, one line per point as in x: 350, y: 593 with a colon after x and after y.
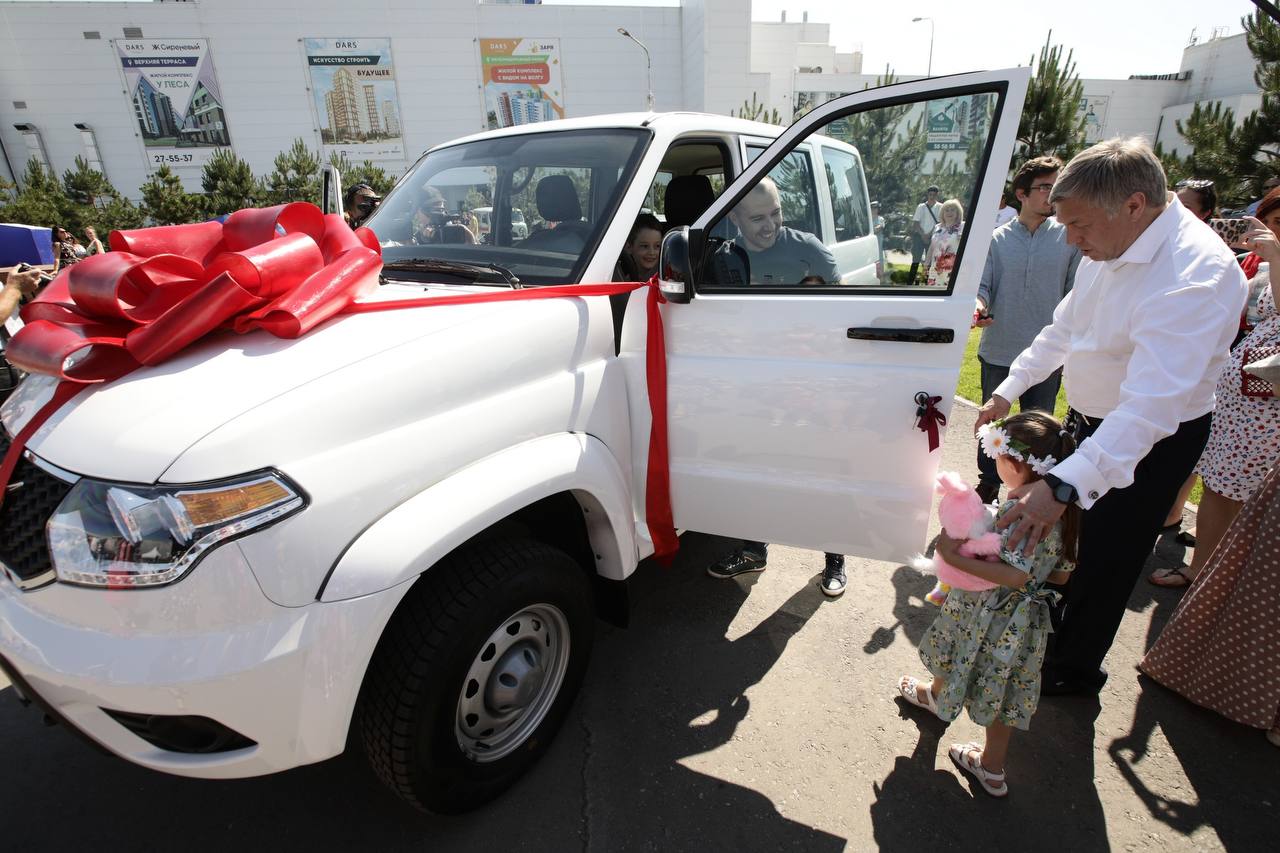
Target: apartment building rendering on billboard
x: 525, y: 107
x: 352, y: 112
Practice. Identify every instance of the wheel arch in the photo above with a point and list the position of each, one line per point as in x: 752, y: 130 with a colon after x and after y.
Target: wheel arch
x: 566, y: 490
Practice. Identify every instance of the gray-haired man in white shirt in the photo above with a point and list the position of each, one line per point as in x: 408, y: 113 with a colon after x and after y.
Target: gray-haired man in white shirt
x: 1142, y: 338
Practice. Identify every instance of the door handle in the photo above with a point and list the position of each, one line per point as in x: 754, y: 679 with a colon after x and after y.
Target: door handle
x: 927, y: 335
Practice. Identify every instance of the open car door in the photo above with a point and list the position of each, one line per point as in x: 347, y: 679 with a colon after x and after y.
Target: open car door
x: 792, y: 395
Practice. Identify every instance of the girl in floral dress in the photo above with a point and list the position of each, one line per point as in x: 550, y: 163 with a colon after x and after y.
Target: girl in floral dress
x: 985, y: 649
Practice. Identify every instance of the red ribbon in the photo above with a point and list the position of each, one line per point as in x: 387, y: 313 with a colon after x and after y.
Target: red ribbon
x: 283, y: 269
x: 929, y: 418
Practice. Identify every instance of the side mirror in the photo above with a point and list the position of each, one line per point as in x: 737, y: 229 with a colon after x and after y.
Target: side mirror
x: 675, y: 272
x: 330, y: 190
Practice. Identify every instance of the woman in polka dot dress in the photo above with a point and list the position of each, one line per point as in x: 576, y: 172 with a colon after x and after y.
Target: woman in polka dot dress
x: 1244, y: 441
x: 1221, y: 648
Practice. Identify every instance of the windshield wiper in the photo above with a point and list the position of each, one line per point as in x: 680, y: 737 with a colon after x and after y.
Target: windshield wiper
x: 473, y: 272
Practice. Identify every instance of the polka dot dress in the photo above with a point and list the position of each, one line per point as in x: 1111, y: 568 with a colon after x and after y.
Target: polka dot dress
x: 1221, y: 648
x: 1244, y: 440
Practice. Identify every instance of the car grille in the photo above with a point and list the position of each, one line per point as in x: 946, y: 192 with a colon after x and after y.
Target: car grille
x: 34, y: 495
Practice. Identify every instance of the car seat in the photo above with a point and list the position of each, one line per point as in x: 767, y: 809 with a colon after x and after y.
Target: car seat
x: 557, y: 201
x: 687, y: 197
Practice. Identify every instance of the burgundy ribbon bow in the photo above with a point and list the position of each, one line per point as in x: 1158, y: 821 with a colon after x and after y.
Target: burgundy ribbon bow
x: 283, y: 269
x: 929, y: 418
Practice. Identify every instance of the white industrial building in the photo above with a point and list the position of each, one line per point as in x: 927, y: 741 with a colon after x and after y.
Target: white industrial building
x: 63, y: 95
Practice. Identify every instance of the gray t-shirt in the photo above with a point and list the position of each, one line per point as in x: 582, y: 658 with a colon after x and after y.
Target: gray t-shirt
x: 793, y: 257
x: 1026, y: 276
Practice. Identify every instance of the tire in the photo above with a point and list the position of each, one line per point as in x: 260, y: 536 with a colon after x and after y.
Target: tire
x: 476, y: 672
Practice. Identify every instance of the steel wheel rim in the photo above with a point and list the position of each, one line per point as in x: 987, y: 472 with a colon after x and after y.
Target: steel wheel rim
x: 512, y: 683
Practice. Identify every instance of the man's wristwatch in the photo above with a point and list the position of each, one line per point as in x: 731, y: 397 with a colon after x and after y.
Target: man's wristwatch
x: 1063, y: 492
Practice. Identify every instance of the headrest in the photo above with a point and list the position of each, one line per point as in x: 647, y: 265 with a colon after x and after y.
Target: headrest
x: 688, y: 196
x: 558, y: 200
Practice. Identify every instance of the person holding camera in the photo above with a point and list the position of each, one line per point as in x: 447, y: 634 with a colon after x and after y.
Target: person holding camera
x: 361, y: 202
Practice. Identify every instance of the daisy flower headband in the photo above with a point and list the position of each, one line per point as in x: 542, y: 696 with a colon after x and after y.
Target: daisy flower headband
x: 997, y: 442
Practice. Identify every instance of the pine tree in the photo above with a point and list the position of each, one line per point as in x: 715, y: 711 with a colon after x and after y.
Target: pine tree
x: 366, y: 172
x: 86, y: 186
x: 1051, y: 122
x: 229, y: 184
x: 1257, y: 143
x: 1238, y: 159
x: 756, y: 111
x: 894, y: 143
x: 296, y: 176
x: 166, y: 202
x: 41, y: 200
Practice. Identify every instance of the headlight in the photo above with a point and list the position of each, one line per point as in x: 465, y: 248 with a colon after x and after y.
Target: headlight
x: 123, y: 536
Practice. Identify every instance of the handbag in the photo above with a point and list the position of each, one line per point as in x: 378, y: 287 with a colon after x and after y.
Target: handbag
x: 1261, y: 368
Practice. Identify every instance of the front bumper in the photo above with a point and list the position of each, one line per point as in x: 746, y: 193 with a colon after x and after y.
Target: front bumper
x: 211, y: 645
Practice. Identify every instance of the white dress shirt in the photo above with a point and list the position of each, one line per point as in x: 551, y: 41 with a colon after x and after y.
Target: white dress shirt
x: 1142, y: 340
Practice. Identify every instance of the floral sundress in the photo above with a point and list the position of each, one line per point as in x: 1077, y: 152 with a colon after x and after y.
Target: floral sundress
x: 942, y: 253
x: 1244, y: 435
x: 989, y: 646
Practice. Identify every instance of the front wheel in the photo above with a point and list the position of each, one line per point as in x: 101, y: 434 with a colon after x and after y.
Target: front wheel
x: 476, y: 672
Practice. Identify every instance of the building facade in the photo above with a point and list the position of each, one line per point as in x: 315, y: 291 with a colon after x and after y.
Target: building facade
x: 706, y: 55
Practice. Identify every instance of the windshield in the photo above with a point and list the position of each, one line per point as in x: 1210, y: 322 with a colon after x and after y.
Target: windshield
x: 535, y: 204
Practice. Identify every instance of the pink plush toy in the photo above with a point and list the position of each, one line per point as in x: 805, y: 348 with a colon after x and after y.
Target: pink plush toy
x: 963, y: 516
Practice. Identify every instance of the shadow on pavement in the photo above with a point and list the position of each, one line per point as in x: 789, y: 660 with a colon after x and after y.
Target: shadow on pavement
x: 669, y: 688
x: 913, y: 614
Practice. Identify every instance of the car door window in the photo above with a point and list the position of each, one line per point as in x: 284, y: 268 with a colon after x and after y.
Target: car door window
x: 767, y: 233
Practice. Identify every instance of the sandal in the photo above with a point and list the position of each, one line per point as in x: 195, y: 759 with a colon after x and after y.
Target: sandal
x: 968, y: 757
x: 1171, y: 578
x: 909, y: 689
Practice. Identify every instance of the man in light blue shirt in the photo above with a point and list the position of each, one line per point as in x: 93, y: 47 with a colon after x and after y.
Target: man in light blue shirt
x: 1029, y: 270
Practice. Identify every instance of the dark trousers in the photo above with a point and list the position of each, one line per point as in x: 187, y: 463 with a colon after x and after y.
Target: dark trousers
x: 1117, y: 535
x: 918, y: 245
x: 1042, y: 396
x: 761, y: 550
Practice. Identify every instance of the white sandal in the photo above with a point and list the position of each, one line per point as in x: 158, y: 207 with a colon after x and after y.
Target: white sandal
x: 909, y: 689
x: 968, y: 757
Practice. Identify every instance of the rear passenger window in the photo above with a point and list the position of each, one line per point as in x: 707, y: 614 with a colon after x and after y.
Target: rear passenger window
x: 849, y: 203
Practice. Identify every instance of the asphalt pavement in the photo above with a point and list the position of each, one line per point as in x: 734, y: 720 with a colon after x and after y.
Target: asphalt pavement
x: 750, y: 714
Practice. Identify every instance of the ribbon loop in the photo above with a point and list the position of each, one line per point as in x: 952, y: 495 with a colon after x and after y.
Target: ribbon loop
x: 929, y: 418
x: 284, y: 269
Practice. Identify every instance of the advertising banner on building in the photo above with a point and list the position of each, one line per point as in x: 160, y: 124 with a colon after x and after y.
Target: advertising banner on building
x: 522, y: 81
x: 175, y: 99
x: 353, y: 93
x: 1094, y: 110
x: 953, y: 123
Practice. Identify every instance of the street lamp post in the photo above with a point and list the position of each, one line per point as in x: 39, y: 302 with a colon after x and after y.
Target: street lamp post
x: 648, y: 66
x: 928, y: 73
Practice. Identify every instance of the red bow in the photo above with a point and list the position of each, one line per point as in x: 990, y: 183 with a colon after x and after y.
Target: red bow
x: 929, y: 418
x: 283, y: 269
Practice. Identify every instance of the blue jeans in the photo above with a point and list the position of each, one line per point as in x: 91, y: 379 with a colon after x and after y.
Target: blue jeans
x: 1042, y: 397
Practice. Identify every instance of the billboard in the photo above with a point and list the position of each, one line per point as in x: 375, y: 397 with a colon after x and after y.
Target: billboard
x: 175, y: 99
x: 353, y: 94
x: 521, y: 79
x: 952, y: 123
x: 1094, y: 110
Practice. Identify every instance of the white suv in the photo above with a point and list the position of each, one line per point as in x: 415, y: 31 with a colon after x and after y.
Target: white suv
x: 407, y: 521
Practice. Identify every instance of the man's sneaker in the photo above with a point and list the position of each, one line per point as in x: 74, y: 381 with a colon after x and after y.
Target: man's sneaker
x: 833, y: 578
x: 988, y: 492
x: 737, y: 563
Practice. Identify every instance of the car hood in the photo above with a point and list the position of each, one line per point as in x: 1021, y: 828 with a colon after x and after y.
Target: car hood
x: 134, y: 428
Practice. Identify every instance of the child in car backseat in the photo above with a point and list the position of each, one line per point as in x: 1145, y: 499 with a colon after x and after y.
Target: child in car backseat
x: 985, y: 649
